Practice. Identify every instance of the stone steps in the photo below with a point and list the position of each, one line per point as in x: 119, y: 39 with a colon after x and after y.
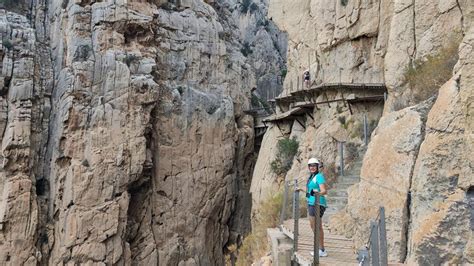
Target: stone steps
x: 337, y: 193
x: 348, y: 179
x: 343, y: 185
x: 337, y: 200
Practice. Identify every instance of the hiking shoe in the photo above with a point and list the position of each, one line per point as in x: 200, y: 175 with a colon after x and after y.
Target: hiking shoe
x: 321, y: 253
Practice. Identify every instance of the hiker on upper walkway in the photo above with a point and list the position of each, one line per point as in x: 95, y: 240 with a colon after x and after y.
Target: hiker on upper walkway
x: 306, y: 78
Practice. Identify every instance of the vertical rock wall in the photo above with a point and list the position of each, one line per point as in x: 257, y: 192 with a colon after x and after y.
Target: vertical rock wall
x: 419, y: 163
x: 124, y: 138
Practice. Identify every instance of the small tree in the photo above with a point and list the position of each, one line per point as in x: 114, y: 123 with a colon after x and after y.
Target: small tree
x: 287, y: 149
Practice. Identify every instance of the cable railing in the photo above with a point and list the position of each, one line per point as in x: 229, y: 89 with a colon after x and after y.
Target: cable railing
x: 375, y: 251
x: 295, y: 206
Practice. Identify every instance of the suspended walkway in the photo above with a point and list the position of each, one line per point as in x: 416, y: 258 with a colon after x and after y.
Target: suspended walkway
x: 296, y: 105
x: 300, y: 102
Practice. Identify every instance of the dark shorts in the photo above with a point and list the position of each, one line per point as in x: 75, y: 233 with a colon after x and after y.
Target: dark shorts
x: 312, y: 210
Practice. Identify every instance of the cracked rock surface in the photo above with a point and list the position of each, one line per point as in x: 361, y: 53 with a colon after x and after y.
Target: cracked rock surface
x: 419, y: 163
x: 124, y: 139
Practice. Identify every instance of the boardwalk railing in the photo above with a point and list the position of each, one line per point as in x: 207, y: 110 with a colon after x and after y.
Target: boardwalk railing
x: 296, y: 217
x: 295, y: 207
x: 375, y: 252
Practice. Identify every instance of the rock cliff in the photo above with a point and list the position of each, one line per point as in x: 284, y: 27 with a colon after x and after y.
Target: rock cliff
x: 419, y: 161
x: 123, y: 133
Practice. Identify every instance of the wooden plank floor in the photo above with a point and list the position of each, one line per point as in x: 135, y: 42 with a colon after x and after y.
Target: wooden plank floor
x: 340, y: 250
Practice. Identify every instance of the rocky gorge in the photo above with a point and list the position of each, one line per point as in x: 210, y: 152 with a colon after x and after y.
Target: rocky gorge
x: 418, y: 163
x: 126, y: 136
x: 123, y: 133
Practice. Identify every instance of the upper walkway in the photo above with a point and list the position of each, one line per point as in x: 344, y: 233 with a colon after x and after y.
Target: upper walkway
x: 301, y: 102
x: 315, y: 90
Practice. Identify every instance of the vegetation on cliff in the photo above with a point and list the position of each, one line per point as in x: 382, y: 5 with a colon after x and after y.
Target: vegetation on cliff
x: 426, y: 75
x: 287, y: 149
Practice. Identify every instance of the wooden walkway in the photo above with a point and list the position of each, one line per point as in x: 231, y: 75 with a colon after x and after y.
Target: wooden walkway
x: 340, y: 250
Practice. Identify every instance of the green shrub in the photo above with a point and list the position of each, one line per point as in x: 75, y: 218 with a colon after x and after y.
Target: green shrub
x: 357, y: 131
x: 342, y: 120
x: 426, y: 75
x: 255, y: 101
x: 255, y: 244
x: 258, y: 102
x: 344, y: 2
x: 283, y: 73
x: 287, y: 149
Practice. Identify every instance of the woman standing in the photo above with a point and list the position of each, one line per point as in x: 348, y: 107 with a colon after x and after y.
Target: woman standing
x: 316, y: 185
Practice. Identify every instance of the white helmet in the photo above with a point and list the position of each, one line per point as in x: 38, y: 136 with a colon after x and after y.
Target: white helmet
x: 313, y: 161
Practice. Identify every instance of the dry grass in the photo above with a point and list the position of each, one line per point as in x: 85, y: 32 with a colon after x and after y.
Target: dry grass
x: 426, y: 75
x: 255, y: 245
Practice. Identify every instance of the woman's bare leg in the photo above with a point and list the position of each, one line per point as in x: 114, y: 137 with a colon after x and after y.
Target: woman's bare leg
x: 312, y: 222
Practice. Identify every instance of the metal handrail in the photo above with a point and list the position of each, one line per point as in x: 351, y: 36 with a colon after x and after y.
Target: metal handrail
x: 316, y: 230
x: 296, y: 215
x: 377, y: 242
x: 283, y: 206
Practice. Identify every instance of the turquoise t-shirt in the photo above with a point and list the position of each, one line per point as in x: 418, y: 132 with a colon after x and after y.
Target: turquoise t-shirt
x: 313, y: 183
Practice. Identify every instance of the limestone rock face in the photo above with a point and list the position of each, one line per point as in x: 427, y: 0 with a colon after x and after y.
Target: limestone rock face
x: 19, y: 210
x: 263, y: 187
x: 362, y: 41
x: 426, y: 194
x: 418, y: 164
x: 124, y: 137
x: 385, y: 178
x: 439, y: 209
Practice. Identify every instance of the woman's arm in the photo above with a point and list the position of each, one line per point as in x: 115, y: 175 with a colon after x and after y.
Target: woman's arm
x: 323, y: 189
